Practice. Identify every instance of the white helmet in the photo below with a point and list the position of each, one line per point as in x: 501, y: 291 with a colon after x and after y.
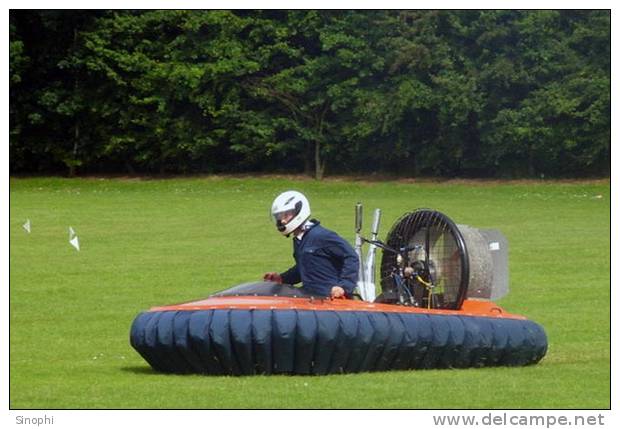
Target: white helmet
x: 289, y: 211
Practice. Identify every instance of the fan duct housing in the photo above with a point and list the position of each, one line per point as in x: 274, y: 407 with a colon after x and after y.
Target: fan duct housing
x: 462, y: 261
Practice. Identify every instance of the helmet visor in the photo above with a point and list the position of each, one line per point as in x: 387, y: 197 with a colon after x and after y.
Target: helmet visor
x: 284, y: 217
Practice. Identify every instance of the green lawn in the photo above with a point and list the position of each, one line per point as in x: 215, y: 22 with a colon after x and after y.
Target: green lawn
x: 153, y: 242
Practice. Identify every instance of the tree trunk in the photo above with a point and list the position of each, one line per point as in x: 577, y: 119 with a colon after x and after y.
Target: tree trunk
x: 319, y: 165
x: 72, y: 162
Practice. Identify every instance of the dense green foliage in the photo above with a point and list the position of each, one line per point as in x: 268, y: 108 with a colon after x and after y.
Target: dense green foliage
x: 434, y: 93
x: 153, y: 242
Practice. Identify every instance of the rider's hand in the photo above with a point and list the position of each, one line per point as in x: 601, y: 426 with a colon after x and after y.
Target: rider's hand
x: 337, y: 292
x: 272, y: 277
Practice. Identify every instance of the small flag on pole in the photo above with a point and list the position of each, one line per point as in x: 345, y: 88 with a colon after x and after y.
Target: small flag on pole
x: 27, y: 226
x: 75, y: 243
x: 73, y: 239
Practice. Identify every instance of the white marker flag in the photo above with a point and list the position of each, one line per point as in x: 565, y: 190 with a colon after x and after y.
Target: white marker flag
x: 75, y: 243
x: 71, y: 233
x: 27, y: 226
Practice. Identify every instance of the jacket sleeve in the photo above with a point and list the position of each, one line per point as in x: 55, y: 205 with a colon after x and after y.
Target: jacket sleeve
x: 291, y: 276
x: 342, y: 250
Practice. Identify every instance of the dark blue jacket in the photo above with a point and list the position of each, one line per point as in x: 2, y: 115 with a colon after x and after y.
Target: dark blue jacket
x: 323, y: 260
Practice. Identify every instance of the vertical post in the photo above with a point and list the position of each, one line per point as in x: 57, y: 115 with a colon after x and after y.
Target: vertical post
x: 361, y: 284
x: 369, y: 276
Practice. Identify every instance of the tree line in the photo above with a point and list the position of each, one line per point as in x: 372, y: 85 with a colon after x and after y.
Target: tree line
x: 487, y: 93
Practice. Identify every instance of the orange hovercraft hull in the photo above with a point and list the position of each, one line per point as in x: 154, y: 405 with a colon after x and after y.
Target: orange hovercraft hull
x: 245, y: 335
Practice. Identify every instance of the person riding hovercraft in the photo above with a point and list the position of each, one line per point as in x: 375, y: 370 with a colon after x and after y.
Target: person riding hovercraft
x: 325, y: 263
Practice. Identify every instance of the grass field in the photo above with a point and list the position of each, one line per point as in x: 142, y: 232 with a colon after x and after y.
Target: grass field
x: 152, y: 242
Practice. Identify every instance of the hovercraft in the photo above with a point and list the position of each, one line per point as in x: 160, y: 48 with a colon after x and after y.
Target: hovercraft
x: 438, y: 281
